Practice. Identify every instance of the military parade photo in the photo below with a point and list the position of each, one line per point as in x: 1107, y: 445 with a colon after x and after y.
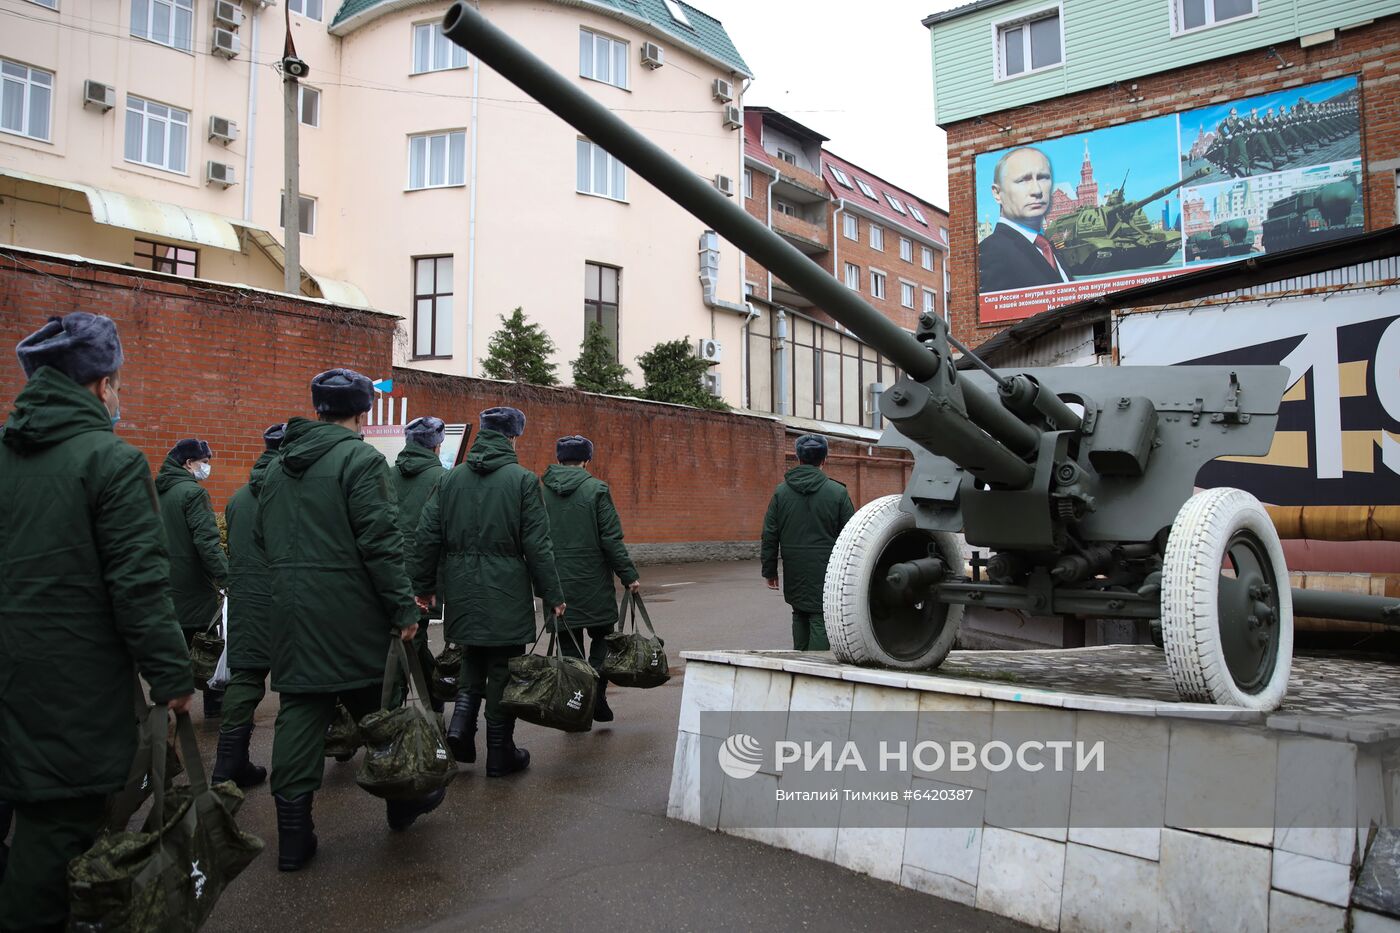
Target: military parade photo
x: 511, y: 466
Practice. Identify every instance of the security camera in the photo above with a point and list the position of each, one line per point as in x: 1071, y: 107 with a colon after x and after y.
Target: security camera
x: 294, y: 67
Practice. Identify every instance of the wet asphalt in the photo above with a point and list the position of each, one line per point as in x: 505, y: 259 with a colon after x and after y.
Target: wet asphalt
x: 580, y: 841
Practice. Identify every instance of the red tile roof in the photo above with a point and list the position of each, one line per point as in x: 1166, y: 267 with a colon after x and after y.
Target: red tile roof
x: 936, y: 217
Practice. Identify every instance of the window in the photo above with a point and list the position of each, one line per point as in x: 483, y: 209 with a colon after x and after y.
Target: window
x: 1029, y: 44
x: 306, y: 215
x: 783, y: 207
x: 600, y: 291
x: 841, y: 176
x: 906, y: 294
x: 853, y: 276
x: 869, y: 192
x: 310, y: 105
x: 850, y: 226
x: 599, y: 173
x: 877, y: 284
x: 437, y: 160
x: 25, y: 96
x: 918, y: 215
x: 1197, y: 14
x: 748, y: 182
x: 930, y: 302
x: 906, y: 249
x: 51, y: 4
x: 786, y: 156
x: 156, y: 134
x: 311, y: 9
x: 895, y: 202
x: 433, y: 51
x: 926, y: 258
x: 159, y: 257
x: 817, y: 379
x: 677, y: 13
x: 602, y: 59
x: 169, y: 22
x: 877, y: 237
x: 432, y: 307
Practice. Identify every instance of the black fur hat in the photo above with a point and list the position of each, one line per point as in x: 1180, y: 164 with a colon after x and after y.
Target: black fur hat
x: 272, y: 437
x: 507, y: 421
x: 342, y: 392
x: 191, y: 448
x: 811, y: 449
x: 426, y: 431
x: 84, y: 347
x: 575, y: 449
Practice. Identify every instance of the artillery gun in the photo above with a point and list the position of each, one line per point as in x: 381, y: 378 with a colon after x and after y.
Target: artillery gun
x: 1225, y: 240
x: 1079, y: 479
x: 1115, y: 236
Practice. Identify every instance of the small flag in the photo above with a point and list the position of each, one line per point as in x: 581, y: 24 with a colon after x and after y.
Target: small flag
x: 384, y: 386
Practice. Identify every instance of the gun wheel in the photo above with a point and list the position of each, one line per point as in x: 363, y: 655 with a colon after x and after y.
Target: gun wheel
x: 1227, y: 609
x: 865, y: 621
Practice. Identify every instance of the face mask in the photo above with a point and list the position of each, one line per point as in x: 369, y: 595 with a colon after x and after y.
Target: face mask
x: 202, y: 471
x: 117, y: 417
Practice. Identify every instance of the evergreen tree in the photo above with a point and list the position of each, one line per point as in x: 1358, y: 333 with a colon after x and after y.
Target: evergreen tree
x: 597, y: 369
x: 520, y: 352
x: 673, y: 373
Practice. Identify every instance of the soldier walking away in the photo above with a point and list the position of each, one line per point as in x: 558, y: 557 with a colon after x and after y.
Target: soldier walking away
x: 486, y: 529
x: 84, y: 602
x: 588, y: 551
x: 415, y: 475
x: 328, y: 528
x: 249, y: 628
x: 807, y: 512
x: 198, y: 566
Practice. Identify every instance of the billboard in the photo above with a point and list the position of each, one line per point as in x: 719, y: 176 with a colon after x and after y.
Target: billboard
x: 1066, y: 219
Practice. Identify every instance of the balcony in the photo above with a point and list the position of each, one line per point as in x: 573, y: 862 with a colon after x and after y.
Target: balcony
x: 798, y: 184
x: 805, y: 235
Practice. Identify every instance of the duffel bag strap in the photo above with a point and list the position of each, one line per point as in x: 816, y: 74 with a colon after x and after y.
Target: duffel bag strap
x: 639, y: 606
x: 156, y: 721
x: 214, y: 623
x: 407, y: 662
x: 625, y: 611
x: 189, y: 751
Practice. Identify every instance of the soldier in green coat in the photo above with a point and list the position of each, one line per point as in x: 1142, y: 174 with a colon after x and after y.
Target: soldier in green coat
x: 486, y: 530
x: 328, y: 528
x: 807, y: 512
x: 249, y: 628
x: 198, y: 566
x: 589, y: 552
x: 84, y: 604
x: 415, y: 474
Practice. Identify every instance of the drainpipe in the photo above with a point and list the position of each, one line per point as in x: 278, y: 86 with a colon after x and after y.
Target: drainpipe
x: 836, y: 271
x: 471, y: 226
x: 250, y: 138
x: 784, y: 401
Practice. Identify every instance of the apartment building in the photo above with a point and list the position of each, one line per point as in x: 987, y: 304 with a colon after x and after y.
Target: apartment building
x: 150, y: 133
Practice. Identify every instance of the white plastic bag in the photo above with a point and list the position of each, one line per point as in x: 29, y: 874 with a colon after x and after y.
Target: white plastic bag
x: 220, y: 679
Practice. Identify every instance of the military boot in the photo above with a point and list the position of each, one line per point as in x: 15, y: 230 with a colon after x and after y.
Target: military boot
x: 296, y: 832
x: 502, y: 757
x: 231, y: 759
x: 602, y: 712
x: 461, y: 733
x: 402, y: 813
x: 213, y: 704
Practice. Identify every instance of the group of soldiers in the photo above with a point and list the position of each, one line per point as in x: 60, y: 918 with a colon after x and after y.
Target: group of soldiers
x: 1268, y: 142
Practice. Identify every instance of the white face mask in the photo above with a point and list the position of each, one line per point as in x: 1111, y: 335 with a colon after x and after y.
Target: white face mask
x: 202, y: 471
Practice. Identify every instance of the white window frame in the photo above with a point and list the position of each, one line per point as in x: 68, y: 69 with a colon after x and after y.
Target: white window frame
x: 840, y: 176
x: 852, y: 272
x: 785, y: 156
x: 748, y: 182
x: 877, y: 283
x: 588, y: 71
x: 302, y: 91
x: 616, y: 172
x: 786, y: 208
x: 998, y: 59
x: 895, y: 203
x: 26, y: 115
x: 908, y: 289
x: 926, y: 257
x: 868, y: 191
x: 677, y: 13
x: 147, y: 118
x: 310, y: 214
x: 918, y: 214
x: 877, y: 237
x: 170, y: 39
x: 46, y: 4
x: 424, y: 142
x: 299, y: 8
x: 456, y: 55
x: 930, y: 301
x: 850, y: 227
x: 1178, y: 16
x: 906, y: 249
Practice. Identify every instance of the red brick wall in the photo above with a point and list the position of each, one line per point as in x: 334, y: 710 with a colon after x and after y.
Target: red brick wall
x: 202, y: 360
x: 1373, y: 52
x: 887, y: 261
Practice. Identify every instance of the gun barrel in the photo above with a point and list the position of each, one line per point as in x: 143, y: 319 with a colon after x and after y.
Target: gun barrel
x: 465, y: 26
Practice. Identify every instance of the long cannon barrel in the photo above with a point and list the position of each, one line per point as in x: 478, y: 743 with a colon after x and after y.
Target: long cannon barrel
x: 465, y: 26
x: 1133, y: 206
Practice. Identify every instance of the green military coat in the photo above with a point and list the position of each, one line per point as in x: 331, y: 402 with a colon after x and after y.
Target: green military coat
x: 249, y: 584
x: 198, y: 566
x: 415, y: 474
x: 83, y: 596
x: 807, y: 512
x: 328, y: 527
x: 487, y: 529
x: 588, y: 548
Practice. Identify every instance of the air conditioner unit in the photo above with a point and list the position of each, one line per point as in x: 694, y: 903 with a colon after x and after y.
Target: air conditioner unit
x: 653, y: 56
x: 711, y: 351
x: 99, y: 95
x: 223, y: 129
x: 229, y: 14
x: 711, y: 383
x: 226, y: 42
x: 221, y: 173
x: 733, y: 117
x: 725, y: 184
x: 723, y: 90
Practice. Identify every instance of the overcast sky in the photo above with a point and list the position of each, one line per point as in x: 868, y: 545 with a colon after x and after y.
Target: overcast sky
x: 859, y: 72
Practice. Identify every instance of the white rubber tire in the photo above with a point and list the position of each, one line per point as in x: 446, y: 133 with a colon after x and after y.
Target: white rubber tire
x: 849, y: 573
x: 1191, y: 637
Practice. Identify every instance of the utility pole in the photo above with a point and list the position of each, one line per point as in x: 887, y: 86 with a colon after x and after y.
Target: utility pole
x: 293, y: 70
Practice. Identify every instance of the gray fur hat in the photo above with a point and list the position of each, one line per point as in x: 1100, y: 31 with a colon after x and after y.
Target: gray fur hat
x: 426, y: 431
x: 191, y: 448
x: 506, y: 420
x: 575, y: 449
x: 341, y: 392
x: 811, y: 449
x: 272, y: 437
x: 84, y: 347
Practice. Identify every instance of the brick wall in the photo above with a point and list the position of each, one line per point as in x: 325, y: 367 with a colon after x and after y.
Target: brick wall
x: 887, y: 261
x: 1372, y: 52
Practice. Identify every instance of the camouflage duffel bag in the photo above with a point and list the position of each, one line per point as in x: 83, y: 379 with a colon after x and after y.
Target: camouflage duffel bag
x: 447, y: 670
x: 634, y: 659
x: 551, y: 690
x: 343, y: 735
x: 406, y: 753
x: 205, y: 650
x: 167, y: 877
